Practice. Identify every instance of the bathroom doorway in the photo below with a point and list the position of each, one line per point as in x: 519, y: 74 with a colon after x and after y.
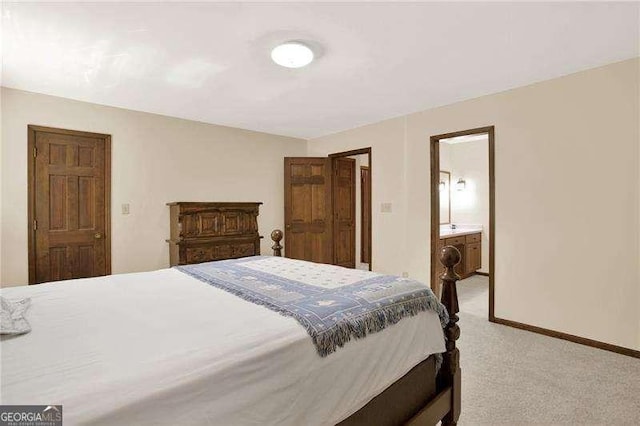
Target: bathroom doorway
x: 463, y: 209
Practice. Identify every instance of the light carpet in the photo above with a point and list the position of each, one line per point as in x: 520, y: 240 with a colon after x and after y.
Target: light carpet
x: 516, y: 377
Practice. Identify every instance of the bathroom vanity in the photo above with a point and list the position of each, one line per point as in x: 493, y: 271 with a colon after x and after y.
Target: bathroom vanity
x: 469, y: 242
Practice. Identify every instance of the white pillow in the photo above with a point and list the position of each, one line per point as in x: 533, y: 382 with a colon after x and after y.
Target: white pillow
x: 12, y: 315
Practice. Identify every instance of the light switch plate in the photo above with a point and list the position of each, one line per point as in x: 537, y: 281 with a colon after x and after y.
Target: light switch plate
x: 125, y: 209
x: 385, y: 208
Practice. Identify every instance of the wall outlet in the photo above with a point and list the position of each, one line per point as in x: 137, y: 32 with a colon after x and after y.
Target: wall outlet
x: 405, y: 275
x: 125, y: 209
x: 385, y: 208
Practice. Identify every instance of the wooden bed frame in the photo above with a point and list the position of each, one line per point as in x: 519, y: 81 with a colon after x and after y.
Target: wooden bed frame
x: 420, y: 397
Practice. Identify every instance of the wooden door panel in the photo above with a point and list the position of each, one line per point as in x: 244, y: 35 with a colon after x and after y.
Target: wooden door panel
x: 344, y: 202
x: 343, y: 209
x: 308, y: 209
x: 58, y: 203
x: 68, y: 205
x: 301, y: 203
x: 319, y: 210
x: 86, y: 266
x: 296, y: 245
x: 344, y: 248
x: 86, y: 156
x: 317, y: 243
x: 57, y: 262
x: 86, y: 203
x: 57, y: 154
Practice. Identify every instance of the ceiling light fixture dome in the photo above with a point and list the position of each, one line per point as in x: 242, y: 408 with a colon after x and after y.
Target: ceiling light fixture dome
x: 292, y: 54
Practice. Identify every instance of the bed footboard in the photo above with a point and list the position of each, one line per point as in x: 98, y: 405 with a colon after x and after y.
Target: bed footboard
x: 276, y: 236
x: 450, y: 374
x: 445, y: 405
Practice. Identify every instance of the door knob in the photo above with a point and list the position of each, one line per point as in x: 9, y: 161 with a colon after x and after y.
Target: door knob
x: 97, y: 235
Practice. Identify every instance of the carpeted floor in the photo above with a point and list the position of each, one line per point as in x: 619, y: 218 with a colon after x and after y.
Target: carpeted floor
x: 514, y: 377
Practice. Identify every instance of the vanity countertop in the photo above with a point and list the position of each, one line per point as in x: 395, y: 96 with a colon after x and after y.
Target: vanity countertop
x: 447, y: 233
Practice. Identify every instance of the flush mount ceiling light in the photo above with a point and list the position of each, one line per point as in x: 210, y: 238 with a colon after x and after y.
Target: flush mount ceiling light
x: 292, y: 54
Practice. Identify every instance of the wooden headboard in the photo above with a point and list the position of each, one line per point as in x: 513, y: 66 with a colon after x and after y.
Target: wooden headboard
x: 207, y: 231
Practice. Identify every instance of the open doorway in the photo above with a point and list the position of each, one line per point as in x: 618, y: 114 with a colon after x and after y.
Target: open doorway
x: 463, y: 208
x: 351, y: 190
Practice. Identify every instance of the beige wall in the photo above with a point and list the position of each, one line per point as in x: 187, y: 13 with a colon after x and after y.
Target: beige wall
x: 567, y: 198
x: 155, y: 159
x: 567, y: 189
x: 388, y: 181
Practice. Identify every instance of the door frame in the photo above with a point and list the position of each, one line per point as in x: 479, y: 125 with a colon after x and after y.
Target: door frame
x: 349, y: 154
x: 362, y: 230
x: 435, y: 205
x: 31, y: 191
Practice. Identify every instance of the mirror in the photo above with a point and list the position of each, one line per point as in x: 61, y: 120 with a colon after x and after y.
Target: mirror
x: 444, y: 189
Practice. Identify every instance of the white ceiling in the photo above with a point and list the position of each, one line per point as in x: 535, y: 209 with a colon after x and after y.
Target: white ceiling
x: 210, y: 62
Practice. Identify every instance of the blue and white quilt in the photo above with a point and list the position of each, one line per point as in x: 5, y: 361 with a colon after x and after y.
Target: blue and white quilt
x: 332, y: 303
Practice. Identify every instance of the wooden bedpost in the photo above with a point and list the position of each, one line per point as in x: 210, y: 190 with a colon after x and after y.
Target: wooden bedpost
x: 450, y: 373
x: 276, y: 236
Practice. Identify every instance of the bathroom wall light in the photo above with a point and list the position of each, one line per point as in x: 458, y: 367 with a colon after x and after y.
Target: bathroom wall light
x: 442, y: 186
x: 461, y: 184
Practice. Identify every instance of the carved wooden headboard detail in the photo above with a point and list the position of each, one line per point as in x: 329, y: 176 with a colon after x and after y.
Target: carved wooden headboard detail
x: 207, y: 231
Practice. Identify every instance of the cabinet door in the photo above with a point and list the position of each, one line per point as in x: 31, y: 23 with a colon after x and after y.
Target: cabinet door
x: 473, y: 258
x: 460, y: 267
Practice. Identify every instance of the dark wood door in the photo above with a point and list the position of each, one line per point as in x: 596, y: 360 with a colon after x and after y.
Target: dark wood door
x: 70, y: 204
x: 365, y: 210
x: 307, y: 209
x: 344, y: 203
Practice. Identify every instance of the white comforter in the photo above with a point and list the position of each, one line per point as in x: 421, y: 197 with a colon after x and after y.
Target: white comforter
x: 164, y: 348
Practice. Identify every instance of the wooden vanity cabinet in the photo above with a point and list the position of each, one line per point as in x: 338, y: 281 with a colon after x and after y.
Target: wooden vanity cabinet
x: 459, y: 243
x: 470, y: 248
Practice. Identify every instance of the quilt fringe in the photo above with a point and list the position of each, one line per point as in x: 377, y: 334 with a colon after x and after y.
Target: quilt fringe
x: 372, y: 322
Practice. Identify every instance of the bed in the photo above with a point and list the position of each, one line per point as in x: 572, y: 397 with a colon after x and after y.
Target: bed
x: 163, y: 347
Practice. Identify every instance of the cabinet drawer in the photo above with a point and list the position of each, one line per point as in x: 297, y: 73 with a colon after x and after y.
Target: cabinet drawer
x: 210, y: 253
x: 222, y: 251
x: 244, y: 250
x: 198, y: 254
x: 474, y: 238
x: 454, y: 241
